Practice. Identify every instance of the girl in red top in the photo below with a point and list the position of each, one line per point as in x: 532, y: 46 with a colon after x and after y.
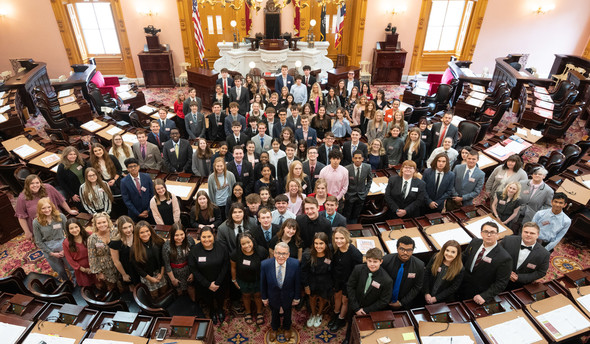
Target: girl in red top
x: 178, y: 104
x: 321, y: 193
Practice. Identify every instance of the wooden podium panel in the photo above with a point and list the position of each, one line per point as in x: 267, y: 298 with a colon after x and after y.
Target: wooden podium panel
x: 483, y: 323
x: 363, y: 326
x: 141, y: 327
x: 458, y: 314
x: 31, y: 312
x: 61, y: 330
x: 84, y: 320
x: 523, y: 296
x: 505, y: 299
x: 165, y: 323
x: 203, y: 80
x: 335, y: 74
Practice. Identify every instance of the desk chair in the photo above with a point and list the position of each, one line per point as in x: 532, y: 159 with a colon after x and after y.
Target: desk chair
x: 184, y: 75
x: 151, y: 306
x: 105, y: 302
x: 552, y: 163
x: 14, y: 283
x: 52, y: 292
x: 561, y: 89
x: 572, y: 154
x: 468, y: 133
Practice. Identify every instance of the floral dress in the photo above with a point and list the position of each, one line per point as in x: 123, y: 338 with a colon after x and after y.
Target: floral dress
x: 99, y: 255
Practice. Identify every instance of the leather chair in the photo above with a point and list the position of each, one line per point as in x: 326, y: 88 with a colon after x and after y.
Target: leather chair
x: 493, y: 101
x: 105, y: 302
x: 419, y: 112
x: 468, y: 133
x: 484, y: 126
x: 567, y: 111
x: 530, y: 167
x: 440, y: 100
x: 14, y: 283
x: 572, y: 154
x: 552, y: 163
x: 581, y: 224
x: 149, y: 306
x: 136, y: 122
x: 106, y: 84
x: 408, y: 114
x: 434, y: 80
x: 50, y: 291
x: 99, y: 100
x: 585, y: 145
x: 499, y: 113
x: 561, y: 90
x: 568, y: 99
x: 557, y: 131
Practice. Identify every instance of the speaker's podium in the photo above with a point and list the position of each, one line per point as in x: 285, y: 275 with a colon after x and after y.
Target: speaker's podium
x: 397, y: 326
x: 274, y: 44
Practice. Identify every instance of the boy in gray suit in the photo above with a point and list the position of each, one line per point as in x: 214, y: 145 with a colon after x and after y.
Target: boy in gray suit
x: 469, y: 180
x: 359, y: 184
x: 195, y: 122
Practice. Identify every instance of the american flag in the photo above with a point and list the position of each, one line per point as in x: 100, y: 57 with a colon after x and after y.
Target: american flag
x: 340, y: 24
x: 198, y: 32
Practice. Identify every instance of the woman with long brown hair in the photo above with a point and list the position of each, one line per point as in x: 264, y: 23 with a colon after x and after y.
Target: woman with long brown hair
x: 444, y: 274
x: 316, y: 277
x: 290, y: 235
x: 146, y: 257
x: 202, y: 159
x: 205, y: 213
x: 164, y: 205
x: 70, y: 173
x: 76, y: 252
x: 120, y: 248
x: 109, y: 167
x: 414, y: 148
x: 95, y: 194
x: 175, y: 254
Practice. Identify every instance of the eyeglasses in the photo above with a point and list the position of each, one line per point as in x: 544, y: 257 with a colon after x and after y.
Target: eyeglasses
x: 488, y: 233
x: 406, y: 250
x: 282, y: 254
x: 132, y: 166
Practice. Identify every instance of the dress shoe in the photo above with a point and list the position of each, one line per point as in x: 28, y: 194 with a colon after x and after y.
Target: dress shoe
x: 338, y: 324
x: 344, y: 341
x: 333, y: 320
x: 287, y: 335
x: 221, y: 316
x: 272, y: 336
x: 214, y: 318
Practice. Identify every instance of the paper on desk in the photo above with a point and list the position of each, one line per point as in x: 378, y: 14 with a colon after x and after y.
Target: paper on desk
x: 420, y: 91
x: 10, y: 333
x: 122, y: 123
x: 515, y: 147
x: 539, y: 89
x: 452, y: 234
x: 4, y: 108
x: 456, y: 120
x: 475, y: 227
x: 474, y: 102
x: 544, y: 105
x: 543, y: 112
x: 50, y: 159
x: 68, y: 100
x: 103, y: 341
x: 419, y: 248
x: 499, y: 151
x: 513, y: 331
x: 536, y: 132
x: 478, y: 88
x: 403, y: 106
x: 521, y: 131
x: 2, y: 94
x: 36, y: 338
x: 378, y: 187
x: 364, y: 245
x: 124, y: 95
x: 478, y: 95
x: 584, y: 301
x: 446, y: 340
x: 563, y: 321
x: 181, y: 191
x: 65, y: 93
x: 91, y: 126
x: 122, y: 88
x: 147, y: 109
x: 24, y: 150
x: 544, y: 97
x: 468, y: 72
x: 3, y: 118
x: 114, y: 130
x: 130, y: 138
x: 484, y: 160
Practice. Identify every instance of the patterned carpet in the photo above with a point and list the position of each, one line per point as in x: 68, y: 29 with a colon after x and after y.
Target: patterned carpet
x: 571, y: 254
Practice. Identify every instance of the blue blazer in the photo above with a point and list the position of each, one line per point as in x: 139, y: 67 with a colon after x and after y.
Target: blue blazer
x: 312, y: 136
x: 279, y: 83
x: 269, y: 289
x: 165, y: 131
x: 471, y: 188
x: 446, y: 189
x: 135, y: 202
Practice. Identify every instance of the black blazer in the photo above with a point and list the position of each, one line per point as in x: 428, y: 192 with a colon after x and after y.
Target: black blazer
x: 309, y: 82
x: 231, y: 142
x: 323, y: 155
x: 316, y: 173
x: 152, y: 139
x: 68, y: 180
x: 445, y: 190
x: 417, y: 158
x: 377, y: 296
x: 487, y: 279
x: 278, y: 127
x: 224, y: 102
x: 535, y: 266
x: 446, y: 291
x: 243, y: 101
x: 339, y: 220
x: 412, y: 279
x: 230, y: 83
x: 216, y: 131
x: 247, y: 176
x: 283, y: 170
x: 452, y: 132
x: 383, y: 162
x: 185, y: 156
x: 347, y: 152
x: 412, y: 204
x: 258, y: 235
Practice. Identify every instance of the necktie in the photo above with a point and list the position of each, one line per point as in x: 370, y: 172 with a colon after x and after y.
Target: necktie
x: 369, y: 281
x: 442, y: 136
x: 138, y: 185
x: 267, y: 235
x: 239, y: 167
x: 217, y: 118
x: 311, y: 170
x: 353, y: 150
x: 466, y: 177
x: 522, y: 247
x: 164, y: 124
x: 240, y: 229
x: 398, y: 283
x: 331, y: 218
x: 238, y: 91
x: 143, y: 152
x: 437, y: 180
x: 479, y: 257
x: 404, y: 188
x: 261, y: 142
x: 158, y: 139
x: 225, y: 86
x: 307, y: 81
x: 358, y: 174
x: 281, y: 219
x: 176, y: 150
x: 280, y: 276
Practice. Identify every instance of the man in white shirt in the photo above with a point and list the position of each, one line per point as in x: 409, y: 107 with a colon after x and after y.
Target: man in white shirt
x: 282, y: 212
x: 352, y: 82
x: 446, y: 148
x: 284, y: 79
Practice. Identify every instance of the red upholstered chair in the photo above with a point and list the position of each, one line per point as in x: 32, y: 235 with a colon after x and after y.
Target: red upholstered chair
x: 107, y: 84
x: 433, y: 80
x: 447, y: 77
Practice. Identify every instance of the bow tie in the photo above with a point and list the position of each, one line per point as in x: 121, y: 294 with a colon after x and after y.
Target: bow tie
x: 522, y: 247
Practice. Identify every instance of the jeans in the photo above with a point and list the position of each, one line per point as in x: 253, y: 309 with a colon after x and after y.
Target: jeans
x: 59, y: 265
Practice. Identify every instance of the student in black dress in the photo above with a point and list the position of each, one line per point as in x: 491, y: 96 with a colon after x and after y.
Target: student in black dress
x: 414, y: 148
x: 316, y: 277
x: 120, y: 248
x: 175, y: 255
x: 346, y: 256
x: 222, y: 152
x: 245, y: 275
x: 108, y: 166
x: 289, y: 234
x: 209, y: 263
x: 443, y: 274
x: 380, y: 102
x: 164, y: 205
x: 146, y: 257
x: 205, y: 213
x: 237, y: 195
x: 267, y: 181
x: 506, y: 203
x: 425, y: 133
x: 70, y: 174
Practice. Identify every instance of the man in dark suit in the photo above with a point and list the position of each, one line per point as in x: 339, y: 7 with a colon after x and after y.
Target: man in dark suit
x: 352, y: 82
x: 324, y: 150
x: 295, y: 119
x: 165, y: 124
x: 283, y: 80
x: 312, y: 167
x: 469, y: 180
x: 177, y: 153
x: 225, y: 81
x: 404, y: 194
x: 311, y: 222
x: 487, y: 266
x: 192, y: 97
x: 349, y: 147
x: 234, y: 116
x: 137, y: 191
x: 336, y: 219
x: 440, y: 183
x: 359, y: 184
x: 237, y: 138
x: 147, y: 154
x: 308, y: 79
x: 306, y: 133
x: 240, y: 95
x: 280, y: 289
x: 216, y: 131
x: 194, y: 122
x: 154, y: 136
x: 443, y: 129
x: 530, y: 260
x: 264, y: 233
x: 407, y: 273
x: 284, y: 163
x: 243, y: 171
x: 281, y: 124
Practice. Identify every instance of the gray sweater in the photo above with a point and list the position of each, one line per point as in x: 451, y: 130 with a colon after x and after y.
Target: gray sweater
x: 52, y: 232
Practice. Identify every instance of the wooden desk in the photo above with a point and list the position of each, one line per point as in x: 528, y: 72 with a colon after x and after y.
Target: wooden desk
x: 335, y: 74
x: 60, y: 330
x: 389, y: 239
x: 165, y: 323
x: 476, y: 232
x: 94, y: 125
x: 15, y: 143
x: 163, y: 230
x: 575, y: 191
x: 363, y: 325
x: 31, y: 312
x: 388, y: 65
x: 426, y: 329
x: 468, y: 212
x: 85, y: 320
x: 123, y: 337
x: 484, y: 323
x: 108, y: 132
x: 17, y: 321
x: 411, y: 98
x: 364, y: 249
x: 387, y: 226
x: 523, y: 297
x: 424, y: 222
x: 458, y: 233
x: 141, y: 327
x: 183, y: 190
x: 203, y: 80
x: 46, y: 160
x: 540, y: 308
x: 505, y: 299
x: 458, y: 314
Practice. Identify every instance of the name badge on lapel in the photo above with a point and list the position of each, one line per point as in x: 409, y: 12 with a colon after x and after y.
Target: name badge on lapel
x: 246, y: 174
x: 202, y: 259
x: 57, y: 226
x: 150, y: 155
x: 472, y: 180
x: 327, y: 261
x: 143, y: 188
x: 376, y: 284
x: 502, y: 202
x: 439, y: 269
x: 414, y: 189
x: 531, y: 266
x: 487, y: 259
x: 526, y: 191
x: 545, y: 223
x: 171, y: 150
x: 411, y: 275
x: 167, y: 129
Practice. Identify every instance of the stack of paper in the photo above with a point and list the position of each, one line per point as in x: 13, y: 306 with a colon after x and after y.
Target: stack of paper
x: 468, y: 72
x: 475, y: 227
x: 541, y: 90
x: 378, y: 187
x: 536, y: 132
x: 122, y: 88
x: 130, y: 138
x: 181, y: 191
x: 544, y: 97
x: 91, y: 126
x: 543, y: 112
x: 146, y: 109
x: 484, y: 160
x: 563, y: 321
x: 498, y: 150
x: 514, y: 331
x: 24, y: 151
x: 522, y: 131
x: 364, y: 245
x: 48, y: 160
x: 124, y: 95
x: 114, y: 130
x: 452, y: 234
x: 516, y: 147
x: 10, y: 333
x: 478, y: 95
x: 419, y: 248
x: 446, y: 340
x: 544, y: 105
x: 65, y: 93
x: 474, y: 102
x: 4, y: 108
x: 478, y: 88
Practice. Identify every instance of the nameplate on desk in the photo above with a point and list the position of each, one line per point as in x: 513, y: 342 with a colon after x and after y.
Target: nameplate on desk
x: 19, y: 303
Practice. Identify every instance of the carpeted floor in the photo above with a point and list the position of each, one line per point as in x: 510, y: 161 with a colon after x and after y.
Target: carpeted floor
x: 571, y: 254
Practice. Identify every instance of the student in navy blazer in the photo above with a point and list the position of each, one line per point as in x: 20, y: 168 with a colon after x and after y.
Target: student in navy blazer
x: 467, y: 187
x: 279, y: 81
x: 436, y: 195
x: 279, y: 295
x: 312, y: 136
x: 137, y: 201
x: 165, y: 125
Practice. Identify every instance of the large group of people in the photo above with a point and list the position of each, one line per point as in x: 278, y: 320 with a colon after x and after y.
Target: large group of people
x: 280, y: 193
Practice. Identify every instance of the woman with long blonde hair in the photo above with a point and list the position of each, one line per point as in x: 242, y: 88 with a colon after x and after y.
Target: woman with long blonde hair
x: 444, y: 274
x: 219, y: 184
x: 506, y: 203
x: 295, y: 195
x: 414, y: 148
x: 99, y: 253
x: 296, y: 173
x: 316, y: 98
